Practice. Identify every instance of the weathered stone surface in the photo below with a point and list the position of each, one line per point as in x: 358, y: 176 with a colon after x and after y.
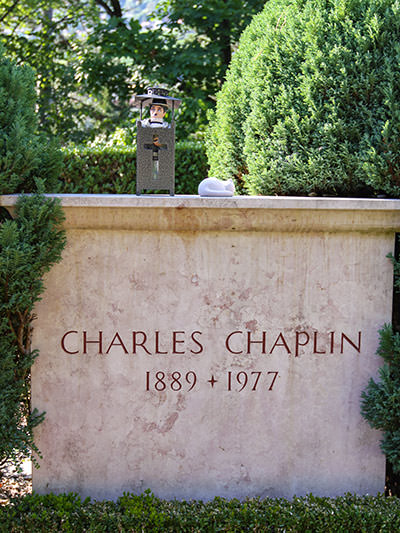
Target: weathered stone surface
x: 279, y: 297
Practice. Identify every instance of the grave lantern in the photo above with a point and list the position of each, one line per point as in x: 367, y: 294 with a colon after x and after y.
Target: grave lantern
x: 155, y: 151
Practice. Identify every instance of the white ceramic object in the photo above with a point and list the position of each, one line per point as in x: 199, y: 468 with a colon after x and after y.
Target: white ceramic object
x: 216, y: 187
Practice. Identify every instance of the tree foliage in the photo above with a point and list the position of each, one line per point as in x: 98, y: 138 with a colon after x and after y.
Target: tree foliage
x: 311, y: 103
x: 91, y: 57
x: 203, y: 36
x: 48, y: 35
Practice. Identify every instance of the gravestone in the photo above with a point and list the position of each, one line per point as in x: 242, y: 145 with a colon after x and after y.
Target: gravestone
x: 213, y: 347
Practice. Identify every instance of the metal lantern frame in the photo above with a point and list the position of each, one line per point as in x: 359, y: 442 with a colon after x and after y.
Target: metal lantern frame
x: 156, y: 173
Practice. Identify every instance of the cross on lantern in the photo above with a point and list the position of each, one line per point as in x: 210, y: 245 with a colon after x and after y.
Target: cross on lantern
x: 155, y: 146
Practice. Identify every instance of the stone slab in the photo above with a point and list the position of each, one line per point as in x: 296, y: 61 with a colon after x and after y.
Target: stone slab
x: 213, y: 347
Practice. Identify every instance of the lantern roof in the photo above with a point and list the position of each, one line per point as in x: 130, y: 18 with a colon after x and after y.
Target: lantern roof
x: 157, y: 95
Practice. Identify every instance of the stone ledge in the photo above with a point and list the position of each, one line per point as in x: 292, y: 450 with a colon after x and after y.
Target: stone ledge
x: 239, y: 213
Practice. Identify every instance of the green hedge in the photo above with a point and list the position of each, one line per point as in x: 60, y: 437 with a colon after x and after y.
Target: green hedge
x: 147, y: 513
x: 112, y: 169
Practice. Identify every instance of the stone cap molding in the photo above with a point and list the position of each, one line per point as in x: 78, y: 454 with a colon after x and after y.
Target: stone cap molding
x: 238, y: 213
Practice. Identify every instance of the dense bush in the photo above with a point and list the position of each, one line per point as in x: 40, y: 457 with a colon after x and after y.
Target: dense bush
x: 311, y: 103
x: 24, y: 154
x: 111, y: 169
x: 29, y: 244
x: 146, y: 513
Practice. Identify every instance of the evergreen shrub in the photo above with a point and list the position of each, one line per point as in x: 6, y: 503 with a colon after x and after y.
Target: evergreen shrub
x: 111, y: 169
x: 24, y: 154
x: 31, y: 240
x: 29, y: 245
x: 311, y: 102
x: 381, y: 400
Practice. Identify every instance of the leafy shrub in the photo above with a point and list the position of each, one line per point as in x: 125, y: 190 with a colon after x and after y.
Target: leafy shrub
x: 68, y: 512
x: 111, y: 169
x: 311, y: 103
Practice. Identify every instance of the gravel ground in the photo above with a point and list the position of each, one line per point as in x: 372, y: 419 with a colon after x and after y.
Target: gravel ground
x: 14, y: 483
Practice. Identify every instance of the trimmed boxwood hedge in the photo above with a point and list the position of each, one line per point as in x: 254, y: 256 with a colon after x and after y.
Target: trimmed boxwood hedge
x: 147, y: 513
x: 112, y: 169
